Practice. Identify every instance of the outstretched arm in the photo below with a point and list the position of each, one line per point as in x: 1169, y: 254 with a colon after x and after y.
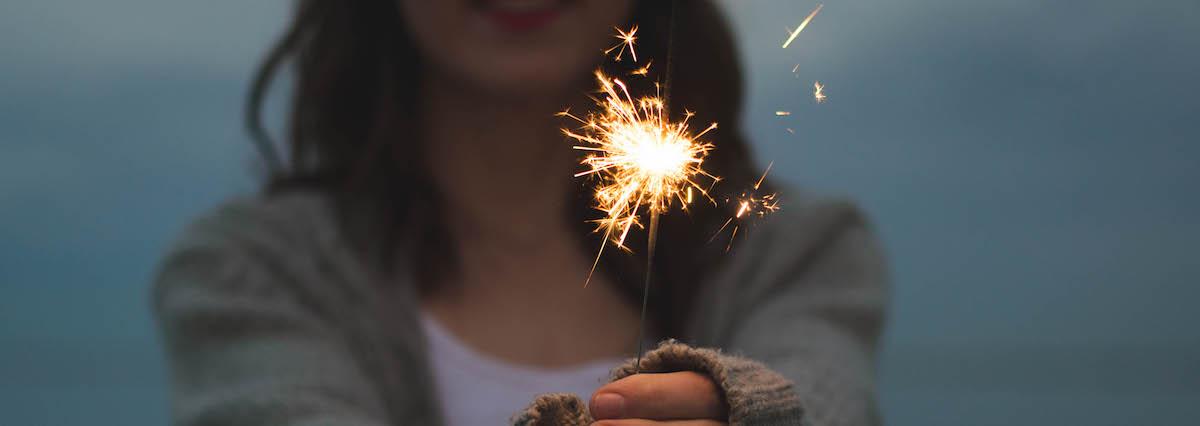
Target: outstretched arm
x: 245, y: 345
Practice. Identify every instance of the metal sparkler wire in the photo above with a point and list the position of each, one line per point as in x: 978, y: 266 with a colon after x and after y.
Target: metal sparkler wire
x: 652, y: 232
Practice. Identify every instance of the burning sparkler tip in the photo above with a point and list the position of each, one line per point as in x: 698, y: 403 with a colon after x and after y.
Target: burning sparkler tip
x: 643, y: 160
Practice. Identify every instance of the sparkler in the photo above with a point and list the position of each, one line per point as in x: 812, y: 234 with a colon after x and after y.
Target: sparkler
x: 644, y: 161
x: 803, y: 24
x: 818, y: 91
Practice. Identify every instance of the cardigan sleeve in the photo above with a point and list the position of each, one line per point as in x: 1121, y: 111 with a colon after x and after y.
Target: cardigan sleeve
x: 245, y: 347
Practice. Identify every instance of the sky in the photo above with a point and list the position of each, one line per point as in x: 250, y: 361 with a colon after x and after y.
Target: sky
x: 1030, y: 167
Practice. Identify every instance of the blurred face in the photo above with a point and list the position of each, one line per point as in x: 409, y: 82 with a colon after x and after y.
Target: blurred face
x: 513, y: 47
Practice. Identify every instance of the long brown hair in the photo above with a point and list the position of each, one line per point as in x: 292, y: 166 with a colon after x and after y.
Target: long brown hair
x: 352, y: 120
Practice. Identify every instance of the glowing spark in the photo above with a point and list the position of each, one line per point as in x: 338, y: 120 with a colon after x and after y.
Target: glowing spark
x: 783, y: 113
x: 750, y: 204
x: 802, y: 25
x: 643, y: 71
x: 644, y: 162
x: 627, y: 41
x: 795, y: 68
x: 790, y: 130
x: 818, y: 91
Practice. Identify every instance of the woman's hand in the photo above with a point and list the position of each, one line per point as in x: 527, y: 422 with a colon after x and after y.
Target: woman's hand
x: 676, y: 399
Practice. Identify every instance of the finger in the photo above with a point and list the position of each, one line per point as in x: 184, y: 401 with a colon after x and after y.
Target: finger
x: 662, y: 396
x: 645, y: 422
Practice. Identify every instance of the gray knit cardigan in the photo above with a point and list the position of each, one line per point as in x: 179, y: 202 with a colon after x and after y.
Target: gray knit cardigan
x: 269, y: 318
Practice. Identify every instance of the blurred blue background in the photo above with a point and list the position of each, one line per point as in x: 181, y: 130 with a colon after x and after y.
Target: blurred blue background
x: 1030, y: 165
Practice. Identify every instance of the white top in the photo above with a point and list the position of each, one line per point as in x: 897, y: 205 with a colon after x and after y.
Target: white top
x: 476, y: 389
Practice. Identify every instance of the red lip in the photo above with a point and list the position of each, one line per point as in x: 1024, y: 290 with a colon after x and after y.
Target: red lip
x: 523, y: 21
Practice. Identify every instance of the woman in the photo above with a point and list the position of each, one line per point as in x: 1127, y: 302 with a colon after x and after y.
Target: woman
x: 420, y: 258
